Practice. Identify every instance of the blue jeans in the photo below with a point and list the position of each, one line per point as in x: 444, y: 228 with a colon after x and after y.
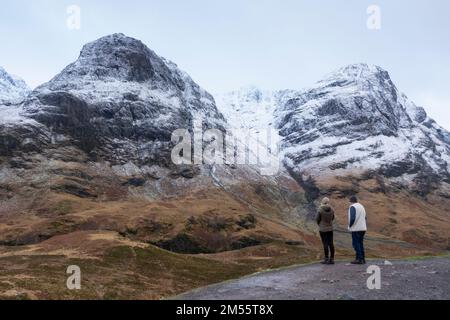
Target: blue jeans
x: 358, y: 244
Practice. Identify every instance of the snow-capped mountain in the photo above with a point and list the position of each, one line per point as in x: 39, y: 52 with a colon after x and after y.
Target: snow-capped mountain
x: 356, y: 119
x: 353, y: 121
x: 120, y: 102
x: 13, y: 90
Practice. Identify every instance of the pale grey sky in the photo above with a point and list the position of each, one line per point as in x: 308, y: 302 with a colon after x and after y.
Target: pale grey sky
x: 223, y: 45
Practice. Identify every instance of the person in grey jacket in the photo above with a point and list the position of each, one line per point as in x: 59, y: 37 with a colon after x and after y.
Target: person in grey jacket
x: 325, y: 218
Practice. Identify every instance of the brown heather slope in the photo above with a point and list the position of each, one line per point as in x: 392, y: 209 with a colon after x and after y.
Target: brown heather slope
x: 132, y: 241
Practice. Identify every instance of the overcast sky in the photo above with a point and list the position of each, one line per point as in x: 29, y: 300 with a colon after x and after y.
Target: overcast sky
x: 227, y: 44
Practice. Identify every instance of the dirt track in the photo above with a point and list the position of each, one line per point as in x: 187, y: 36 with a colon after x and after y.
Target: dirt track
x: 410, y: 280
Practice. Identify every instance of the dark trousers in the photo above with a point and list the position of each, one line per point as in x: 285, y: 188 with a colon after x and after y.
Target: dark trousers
x: 328, y: 244
x: 358, y: 244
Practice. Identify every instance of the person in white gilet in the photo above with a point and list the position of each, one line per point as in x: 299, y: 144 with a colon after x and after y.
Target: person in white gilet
x: 358, y: 227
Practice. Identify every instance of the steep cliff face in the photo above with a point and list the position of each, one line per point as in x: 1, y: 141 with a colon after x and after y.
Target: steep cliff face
x: 85, y: 173
x: 353, y: 133
x: 251, y: 108
x: 119, y: 102
x: 356, y: 120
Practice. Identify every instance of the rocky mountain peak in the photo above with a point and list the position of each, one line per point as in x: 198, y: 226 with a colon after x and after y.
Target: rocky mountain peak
x: 359, y: 71
x: 356, y: 120
x: 359, y: 96
x: 120, y: 101
x: 117, y: 57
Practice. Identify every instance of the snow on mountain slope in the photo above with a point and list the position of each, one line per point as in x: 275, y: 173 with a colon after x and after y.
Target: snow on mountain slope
x: 356, y: 120
x: 249, y: 112
x: 12, y: 89
x: 250, y: 107
x: 120, y: 101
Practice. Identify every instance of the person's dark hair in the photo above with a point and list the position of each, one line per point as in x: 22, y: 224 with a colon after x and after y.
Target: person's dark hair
x: 353, y: 199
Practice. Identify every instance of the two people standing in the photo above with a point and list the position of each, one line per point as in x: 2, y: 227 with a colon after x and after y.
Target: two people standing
x: 357, y: 226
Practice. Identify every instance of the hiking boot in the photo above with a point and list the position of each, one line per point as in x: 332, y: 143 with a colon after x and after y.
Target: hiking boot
x: 357, y: 262
x: 326, y: 261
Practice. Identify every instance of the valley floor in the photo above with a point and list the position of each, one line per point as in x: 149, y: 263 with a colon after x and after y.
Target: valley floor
x: 403, y: 280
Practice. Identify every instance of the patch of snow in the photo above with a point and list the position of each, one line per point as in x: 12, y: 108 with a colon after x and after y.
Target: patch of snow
x: 14, y: 115
x: 13, y: 90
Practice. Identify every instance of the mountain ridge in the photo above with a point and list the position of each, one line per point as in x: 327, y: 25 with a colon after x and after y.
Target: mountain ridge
x: 119, y: 101
x: 86, y: 175
x: 315, y: 124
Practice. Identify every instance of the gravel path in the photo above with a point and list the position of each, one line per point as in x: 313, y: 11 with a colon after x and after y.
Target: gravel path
x: 410, y: 280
